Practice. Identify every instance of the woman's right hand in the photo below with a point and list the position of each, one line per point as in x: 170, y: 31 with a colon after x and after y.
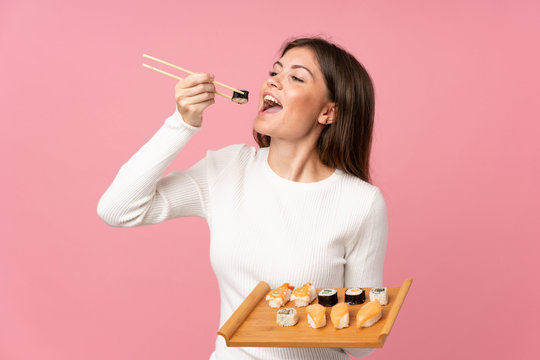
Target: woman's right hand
x: 193, y: 94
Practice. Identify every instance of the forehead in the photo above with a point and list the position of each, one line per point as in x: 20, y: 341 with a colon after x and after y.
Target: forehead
x: 301, y: 56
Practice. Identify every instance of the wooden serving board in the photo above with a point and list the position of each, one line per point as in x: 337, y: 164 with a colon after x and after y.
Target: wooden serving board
x: 254, y: 323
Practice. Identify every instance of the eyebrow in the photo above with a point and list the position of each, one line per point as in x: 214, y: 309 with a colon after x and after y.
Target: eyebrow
x: 296, y: 67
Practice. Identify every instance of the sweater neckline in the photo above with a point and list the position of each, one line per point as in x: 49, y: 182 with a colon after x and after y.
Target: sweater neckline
x: 277, y: 178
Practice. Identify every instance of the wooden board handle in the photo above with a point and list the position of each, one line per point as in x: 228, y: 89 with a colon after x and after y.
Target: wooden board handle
x: 237, y: 318
x: 392, y: 315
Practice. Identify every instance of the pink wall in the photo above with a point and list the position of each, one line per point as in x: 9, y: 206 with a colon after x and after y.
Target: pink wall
x: 456, y: 154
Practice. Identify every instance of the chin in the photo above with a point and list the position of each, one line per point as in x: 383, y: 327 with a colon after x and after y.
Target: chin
x: 261, y: 126
x: 272, y: 125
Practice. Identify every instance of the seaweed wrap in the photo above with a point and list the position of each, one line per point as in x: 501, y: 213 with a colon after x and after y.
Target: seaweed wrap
x: 328, y: 297
x: 240, y: 98
x: 355, y: 296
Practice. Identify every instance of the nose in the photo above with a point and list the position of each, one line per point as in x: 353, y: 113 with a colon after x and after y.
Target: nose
x: 274, y: 81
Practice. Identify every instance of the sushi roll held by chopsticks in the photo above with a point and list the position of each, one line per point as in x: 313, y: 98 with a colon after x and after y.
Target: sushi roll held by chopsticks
x: 239, y: 96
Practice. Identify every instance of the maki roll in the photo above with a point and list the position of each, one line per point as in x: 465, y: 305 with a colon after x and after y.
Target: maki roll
x: 369, y: 314
x: 316, y: 316
x: 302, y: 296
x: 328, y: 297
x: 340, y: 315
x: 279, y: 296
x: 355, y: 296
x: 379, y: 294
x: 287, y: 317
x: 240, y: 98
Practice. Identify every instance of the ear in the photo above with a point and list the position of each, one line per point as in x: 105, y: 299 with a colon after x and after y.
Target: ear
x: 328, y: 114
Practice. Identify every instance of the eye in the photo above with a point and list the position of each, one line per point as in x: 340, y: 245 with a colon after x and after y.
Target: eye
x: 296, y: 78
x: 272, y: 73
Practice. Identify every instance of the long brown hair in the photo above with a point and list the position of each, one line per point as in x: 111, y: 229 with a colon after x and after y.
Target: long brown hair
x: 344, y: 144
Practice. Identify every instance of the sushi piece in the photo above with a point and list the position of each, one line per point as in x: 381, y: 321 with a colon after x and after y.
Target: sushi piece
x: 369, y: 314
x: 279, y: 296
x: 240, y: 98
x: 355, y: 296
x: 287, y: 317
x: 302, y: 296
x: 316, y: 316
x: 379, y: 294
x: 340, y: 315
x: 328, y: 297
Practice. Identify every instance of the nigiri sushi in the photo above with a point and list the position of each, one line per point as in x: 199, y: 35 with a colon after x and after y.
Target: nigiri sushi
x: 369, y: 314
x: 279, y: 296
x: 302, y: 296
x: 340, y: 315
x: 316, y: 316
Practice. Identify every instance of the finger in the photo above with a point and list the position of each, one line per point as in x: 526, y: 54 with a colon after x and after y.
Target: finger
x: 200, y: 107
x: 192, y: 100
x: 195, y: 79
x: 196, y: 90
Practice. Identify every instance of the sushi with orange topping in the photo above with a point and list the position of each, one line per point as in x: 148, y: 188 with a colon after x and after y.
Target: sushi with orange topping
x: 340, y: 315
x: 316, y: 316
x: 279, y: 296
x: 302, y: 296
x: 369, y: 314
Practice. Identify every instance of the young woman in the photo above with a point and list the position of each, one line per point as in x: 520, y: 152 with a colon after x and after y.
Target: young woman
x: 299, y: 208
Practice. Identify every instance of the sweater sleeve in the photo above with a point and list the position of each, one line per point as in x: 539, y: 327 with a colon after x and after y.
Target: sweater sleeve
x: 365, y: 254
x: 140, y: 195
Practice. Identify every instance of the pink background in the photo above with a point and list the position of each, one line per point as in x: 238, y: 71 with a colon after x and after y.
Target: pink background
x: 456, y: 154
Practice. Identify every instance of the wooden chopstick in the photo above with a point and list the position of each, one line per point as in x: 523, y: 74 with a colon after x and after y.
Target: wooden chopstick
x: 179, y: 78
x: 189, y: 72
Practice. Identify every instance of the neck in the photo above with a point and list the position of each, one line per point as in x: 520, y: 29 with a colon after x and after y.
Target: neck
x: 295, y: 162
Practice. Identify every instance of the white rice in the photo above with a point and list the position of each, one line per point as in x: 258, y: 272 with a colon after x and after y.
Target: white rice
x: 312, y: 323
x: 278, y: 302
x: 380, y: 296
x: 287, y: 317
x: 344, y: 322
x: 305, y: 300
x: 373, y: 320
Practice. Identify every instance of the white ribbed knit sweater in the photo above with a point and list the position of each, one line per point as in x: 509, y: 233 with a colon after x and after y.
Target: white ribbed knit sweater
x: 331, y: 233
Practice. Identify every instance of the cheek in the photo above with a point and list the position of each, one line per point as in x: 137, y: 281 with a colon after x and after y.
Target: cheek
x: 304, y: 105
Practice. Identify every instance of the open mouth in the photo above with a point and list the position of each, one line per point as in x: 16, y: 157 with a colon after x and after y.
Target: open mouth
x: 271, y: 105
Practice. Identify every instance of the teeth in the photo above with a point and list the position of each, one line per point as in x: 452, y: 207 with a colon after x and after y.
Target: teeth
x: 271, y: 99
